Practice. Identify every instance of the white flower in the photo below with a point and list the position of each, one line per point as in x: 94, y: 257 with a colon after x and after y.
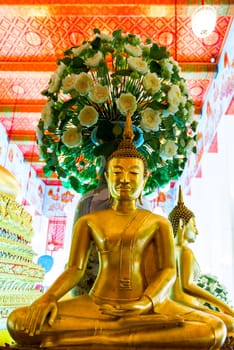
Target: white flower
x: 168, y: 65
x: 175, y: 64
x: 175, y: 98
x: 138, y: 65
x: 60, y: 69
x: 77, y: 51
x: 94, y: 61
x: 83, y: 83
x: 68, y: 83
x: 151, y: 83
x: 184, y: 87
x: 88, y: 116
x: 150, y: 120
x: 105, y: 37
x: 54, y: 83
x: 133, y: 50
x: 126, y: 103
x: 41, y: 153
x: 168, y: 149
x: 99, y: 94
x: 191, y: 144
x: 191, y: 116
x: 47, y: 114
x: 71, y: 137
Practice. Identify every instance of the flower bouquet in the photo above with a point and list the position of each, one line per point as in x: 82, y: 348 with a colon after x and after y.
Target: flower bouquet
x: 94, y: 87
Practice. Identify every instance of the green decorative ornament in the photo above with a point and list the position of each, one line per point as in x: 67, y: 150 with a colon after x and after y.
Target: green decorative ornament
x: 94, y: 87
x: 212, y: 285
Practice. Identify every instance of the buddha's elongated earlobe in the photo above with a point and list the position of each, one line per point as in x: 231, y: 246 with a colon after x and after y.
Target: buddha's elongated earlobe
x: 110, y: 199
x: 140, y: 199
x: 180, y: 231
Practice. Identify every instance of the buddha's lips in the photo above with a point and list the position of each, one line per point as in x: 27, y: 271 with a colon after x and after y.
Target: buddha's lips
x: 123, y: 188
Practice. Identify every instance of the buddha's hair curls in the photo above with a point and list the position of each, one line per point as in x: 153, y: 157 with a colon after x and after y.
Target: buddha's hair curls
x: 180, y: 211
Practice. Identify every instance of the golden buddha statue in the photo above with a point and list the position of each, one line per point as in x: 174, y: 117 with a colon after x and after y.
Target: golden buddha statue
x: 8, y: 183
x: 185, y: 289
x: 129, y: 305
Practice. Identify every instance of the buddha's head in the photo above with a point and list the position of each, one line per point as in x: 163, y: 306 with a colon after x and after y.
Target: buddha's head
x: 126, y: 168
x: 181, y: 215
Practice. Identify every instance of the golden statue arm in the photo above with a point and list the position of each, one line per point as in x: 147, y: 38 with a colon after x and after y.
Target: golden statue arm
x: 46, y: 305
x: 191, y: 288
x: 159, y: 288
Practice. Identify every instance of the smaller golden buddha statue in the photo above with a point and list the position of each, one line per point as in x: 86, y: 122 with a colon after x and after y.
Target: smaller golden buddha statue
x: 129, y: 305
x: 185, y: 289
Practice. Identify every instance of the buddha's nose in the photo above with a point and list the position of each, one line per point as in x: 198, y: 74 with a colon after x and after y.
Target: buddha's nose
x: 125, y: 178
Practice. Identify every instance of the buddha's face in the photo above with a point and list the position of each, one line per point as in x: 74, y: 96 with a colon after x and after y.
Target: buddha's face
x: 191, y: 231
x: 125, y: 177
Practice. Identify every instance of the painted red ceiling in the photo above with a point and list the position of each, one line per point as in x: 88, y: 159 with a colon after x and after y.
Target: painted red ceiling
x: 33, y: 34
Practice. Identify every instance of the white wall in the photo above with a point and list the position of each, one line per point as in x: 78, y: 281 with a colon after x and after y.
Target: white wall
x: 212, y: 201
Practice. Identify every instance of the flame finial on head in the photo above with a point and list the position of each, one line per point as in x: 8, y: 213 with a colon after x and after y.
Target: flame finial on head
x: 180, y: 197
x: 127, y: 148
x: 128, y: 132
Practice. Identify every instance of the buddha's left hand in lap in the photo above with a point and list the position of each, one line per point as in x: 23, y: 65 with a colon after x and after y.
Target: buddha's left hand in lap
x: 142, y: 306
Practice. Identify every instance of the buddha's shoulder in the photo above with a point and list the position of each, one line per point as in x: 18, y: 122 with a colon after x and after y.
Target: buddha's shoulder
x: 160, y: 218
x: 96, y: 215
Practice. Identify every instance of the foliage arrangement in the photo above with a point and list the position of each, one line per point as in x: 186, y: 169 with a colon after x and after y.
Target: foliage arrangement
x: 212, y: 285
x: 94, y: 87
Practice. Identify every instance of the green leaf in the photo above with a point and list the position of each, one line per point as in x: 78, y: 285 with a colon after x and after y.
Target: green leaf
x: 117, y: 33
x: 96, y: 43
x: 104, y: 149
x: 104, y: 131
x: 75, y: 183
x: 96, y: 31
x: 66, y: 61
x: 157, y: 105
x: 61, y: 172
x: 78, y: 66
x: 155, y: 68
x: 158, y: 53
x: 180, y: 122
x: 122, y: 72
x: 48, y: 170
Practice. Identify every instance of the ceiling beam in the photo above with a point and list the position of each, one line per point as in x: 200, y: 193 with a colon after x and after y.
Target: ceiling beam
x: 22, y: 108
x: 199, y: 70
x: 153, y: 8
x: 28, y: 66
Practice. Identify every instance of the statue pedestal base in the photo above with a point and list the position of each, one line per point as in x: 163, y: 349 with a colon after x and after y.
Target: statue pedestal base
x: 228, y: 345
x: 95, y: 347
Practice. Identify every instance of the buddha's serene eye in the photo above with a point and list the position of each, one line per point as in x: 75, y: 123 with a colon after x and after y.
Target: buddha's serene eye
x: 134, y: 171
x: 116, y: 172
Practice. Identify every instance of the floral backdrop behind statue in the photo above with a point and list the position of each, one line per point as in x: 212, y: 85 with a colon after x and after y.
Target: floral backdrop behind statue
x: 94, y: 87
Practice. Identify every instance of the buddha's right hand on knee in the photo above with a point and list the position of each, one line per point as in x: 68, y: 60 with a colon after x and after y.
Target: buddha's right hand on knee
x: 41, y: 311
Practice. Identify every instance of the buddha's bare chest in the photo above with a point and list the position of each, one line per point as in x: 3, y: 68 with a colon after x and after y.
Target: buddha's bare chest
x: 127, y: 234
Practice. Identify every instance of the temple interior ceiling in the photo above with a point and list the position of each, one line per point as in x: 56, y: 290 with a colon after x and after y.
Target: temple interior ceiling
x: 34, y: 34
